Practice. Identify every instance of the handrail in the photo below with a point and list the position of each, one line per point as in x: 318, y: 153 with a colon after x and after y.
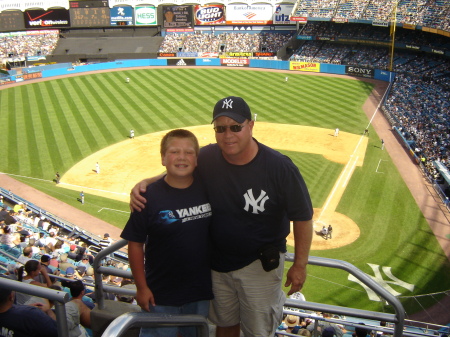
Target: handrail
x: 58, y: 297
x: 145, y: 320
x: 98, y: 269
x: 398, y: 318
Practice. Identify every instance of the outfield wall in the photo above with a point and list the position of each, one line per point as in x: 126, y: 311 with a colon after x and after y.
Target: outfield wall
x: 68, y: 69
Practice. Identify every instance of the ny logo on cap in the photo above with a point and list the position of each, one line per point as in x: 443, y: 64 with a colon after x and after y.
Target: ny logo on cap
x: 227, y: 104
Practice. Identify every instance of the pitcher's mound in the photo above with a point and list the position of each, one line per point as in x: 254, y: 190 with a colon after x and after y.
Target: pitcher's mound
x: 345, y: 231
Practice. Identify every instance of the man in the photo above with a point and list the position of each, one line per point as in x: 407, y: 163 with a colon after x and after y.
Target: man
x: 324, y: 232
x: 27, y: 254
x: 105, y: 242
x: 25, y: 320
x: 254, y: 192
x: 330, y: 231
x: 63, y: 263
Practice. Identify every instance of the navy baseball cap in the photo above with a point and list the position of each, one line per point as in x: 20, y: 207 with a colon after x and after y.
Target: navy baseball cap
x: 233, y: 107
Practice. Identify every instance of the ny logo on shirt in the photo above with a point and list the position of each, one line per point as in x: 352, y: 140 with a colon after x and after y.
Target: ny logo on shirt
x: 257, y: 204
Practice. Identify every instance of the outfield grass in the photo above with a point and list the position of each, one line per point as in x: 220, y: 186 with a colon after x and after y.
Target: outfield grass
x: 49, y: 126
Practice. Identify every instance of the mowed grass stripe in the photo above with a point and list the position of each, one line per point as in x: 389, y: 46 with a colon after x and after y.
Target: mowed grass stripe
x: 134, y: 98
x: 90, y: 122
x: 12, y: 158
x: 66, y: 145
x: 44, y: 135
x: 83, y: 136
x: 114, y: 121
x: 94, y: 116
x: 125, y: 104
x: 35, y: 110
x: 321, y: 179
x: 71, y: 140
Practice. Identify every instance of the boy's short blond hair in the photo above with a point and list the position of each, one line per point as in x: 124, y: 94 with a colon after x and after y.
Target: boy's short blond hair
x: 178, y: 133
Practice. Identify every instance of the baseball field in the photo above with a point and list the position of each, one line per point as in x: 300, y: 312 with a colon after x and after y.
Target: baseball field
x: 70, y: 124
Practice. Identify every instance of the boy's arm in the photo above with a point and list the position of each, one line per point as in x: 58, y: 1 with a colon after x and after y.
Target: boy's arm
x: 144, y: 295
x: 137, y: 201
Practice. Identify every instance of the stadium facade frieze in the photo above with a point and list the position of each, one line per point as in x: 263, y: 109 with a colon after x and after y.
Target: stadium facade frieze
x: 46, y: 4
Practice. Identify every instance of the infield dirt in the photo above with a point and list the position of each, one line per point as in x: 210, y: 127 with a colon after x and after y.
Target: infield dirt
x: 127, y: 162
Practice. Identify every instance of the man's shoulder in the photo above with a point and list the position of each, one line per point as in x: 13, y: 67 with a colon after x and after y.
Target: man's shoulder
x: 209, y: 149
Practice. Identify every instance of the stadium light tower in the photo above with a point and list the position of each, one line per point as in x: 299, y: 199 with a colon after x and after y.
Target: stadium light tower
x: 392, y: 31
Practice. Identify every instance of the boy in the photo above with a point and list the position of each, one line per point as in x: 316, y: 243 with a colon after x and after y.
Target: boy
x: 175, y: 277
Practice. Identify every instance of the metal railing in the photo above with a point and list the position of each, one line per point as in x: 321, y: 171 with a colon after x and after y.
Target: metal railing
x: 397, y: 319
x: 143, y: 320
x: 58, y: 297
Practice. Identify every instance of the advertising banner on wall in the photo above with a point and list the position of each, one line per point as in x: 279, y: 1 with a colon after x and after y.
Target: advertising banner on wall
x: 209, y: 15
x: 47, y: 18
x: 145, y: 15
x: 235, y: 62
x: 359, y: 71
x: 282, y: 14
x: 121, y: 16
x: 258, y: 14
x: 177, y: 16
x: 305, y: 66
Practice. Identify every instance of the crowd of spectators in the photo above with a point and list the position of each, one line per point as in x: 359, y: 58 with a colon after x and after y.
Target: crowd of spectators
x: 224, y: 42
x: 433, y: 14
x: 419, y: 99
x: 421, y: 108
x: 22, y: 45
x: 37, y: 252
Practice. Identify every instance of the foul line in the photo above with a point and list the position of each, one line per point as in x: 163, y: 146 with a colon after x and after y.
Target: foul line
x: 93, y: 189
x: 347, y: 172
x: 112, y: 209
x: 61, y: 183
x: 16, y: 175
x: 344, y: 176
x: 378, y: 166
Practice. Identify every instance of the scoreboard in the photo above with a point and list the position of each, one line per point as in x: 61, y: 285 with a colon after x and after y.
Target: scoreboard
x: 90, y: 17
x: 88, y: 3
x: 11, y: 21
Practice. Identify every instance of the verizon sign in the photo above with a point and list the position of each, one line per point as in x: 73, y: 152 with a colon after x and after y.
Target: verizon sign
x: 47, y: 18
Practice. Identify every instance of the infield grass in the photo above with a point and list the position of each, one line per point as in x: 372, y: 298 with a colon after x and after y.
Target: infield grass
x: 50, y: 126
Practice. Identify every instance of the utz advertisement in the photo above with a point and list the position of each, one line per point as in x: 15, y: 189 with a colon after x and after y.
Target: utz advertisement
x: 282, y: 14
x: 145, y: 15
x: 209, y: 15
x: 258, y: 14
x: 121, y: 16
x: 177, y: 16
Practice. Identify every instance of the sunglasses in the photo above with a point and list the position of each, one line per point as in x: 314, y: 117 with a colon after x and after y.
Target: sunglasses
x: 233, y: 128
